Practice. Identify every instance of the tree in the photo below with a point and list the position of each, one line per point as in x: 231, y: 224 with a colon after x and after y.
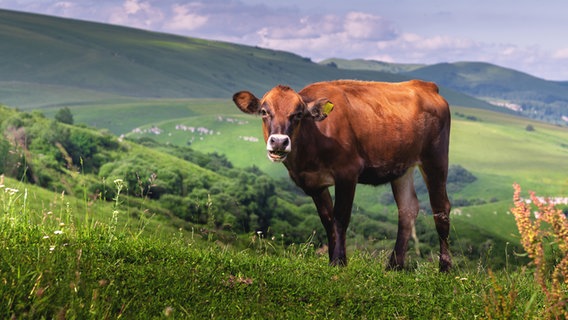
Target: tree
x: 64, y: 115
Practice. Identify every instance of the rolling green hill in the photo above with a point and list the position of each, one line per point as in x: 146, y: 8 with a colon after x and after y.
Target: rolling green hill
x: 53, y: 62
x: 362, y: 64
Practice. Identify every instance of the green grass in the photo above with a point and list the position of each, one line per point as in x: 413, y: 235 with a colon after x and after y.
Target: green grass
x: 128, y: 114
x: 62, y: 265
x: 500, y: 149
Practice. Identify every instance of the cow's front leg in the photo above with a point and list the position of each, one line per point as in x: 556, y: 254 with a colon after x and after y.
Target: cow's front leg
x: 344, y: 193
x: 324, y: 205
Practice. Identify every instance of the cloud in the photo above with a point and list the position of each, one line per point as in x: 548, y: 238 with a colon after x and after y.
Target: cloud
x: 561, y: 54
x: 134, y: 13
x: 365, y: 26
x: 135, y: 6
x: 325, y: 36
x: 64, y: 4
x: 185, y: 18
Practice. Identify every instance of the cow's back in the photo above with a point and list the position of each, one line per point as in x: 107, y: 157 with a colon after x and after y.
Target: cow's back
x: 384, y: 124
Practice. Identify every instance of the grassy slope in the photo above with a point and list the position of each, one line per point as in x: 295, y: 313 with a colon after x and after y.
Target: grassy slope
x: 55, y: 266
x: 80, y: 210
x: 154, y: 279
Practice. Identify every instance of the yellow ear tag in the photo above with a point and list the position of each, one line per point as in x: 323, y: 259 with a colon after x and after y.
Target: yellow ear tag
x: 327, y: 107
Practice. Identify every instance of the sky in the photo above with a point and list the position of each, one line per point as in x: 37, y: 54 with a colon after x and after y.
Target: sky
x: 526, y: 35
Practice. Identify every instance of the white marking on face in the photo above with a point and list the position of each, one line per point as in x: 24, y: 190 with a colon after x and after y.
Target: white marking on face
x: 278, y: 147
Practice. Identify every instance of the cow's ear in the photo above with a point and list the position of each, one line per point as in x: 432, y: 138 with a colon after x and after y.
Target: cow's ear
x: 320, y: 109
x: 246, y: 101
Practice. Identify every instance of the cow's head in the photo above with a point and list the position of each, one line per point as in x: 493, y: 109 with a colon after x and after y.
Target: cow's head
x: 282, y: 110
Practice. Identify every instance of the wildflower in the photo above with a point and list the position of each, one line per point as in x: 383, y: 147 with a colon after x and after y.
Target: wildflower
x: 51, y: 248
x: 168, y: 311
x: 45, y: 237
x: 11, y: 191
x: 57, y: 232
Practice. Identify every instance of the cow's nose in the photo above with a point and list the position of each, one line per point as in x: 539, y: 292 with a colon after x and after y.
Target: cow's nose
x: 278, y: 142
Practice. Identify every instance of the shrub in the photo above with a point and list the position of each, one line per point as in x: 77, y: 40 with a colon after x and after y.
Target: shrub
x: 64, y: 115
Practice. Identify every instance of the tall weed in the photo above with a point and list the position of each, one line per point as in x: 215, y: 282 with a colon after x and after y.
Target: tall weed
x: 544, y: 237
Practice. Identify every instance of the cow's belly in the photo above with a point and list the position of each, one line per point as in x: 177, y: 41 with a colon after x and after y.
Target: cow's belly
x: 313, y: 180
x: 378, y: 176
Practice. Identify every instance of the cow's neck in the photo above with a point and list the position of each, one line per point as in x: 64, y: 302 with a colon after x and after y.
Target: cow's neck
x: 308, y: 162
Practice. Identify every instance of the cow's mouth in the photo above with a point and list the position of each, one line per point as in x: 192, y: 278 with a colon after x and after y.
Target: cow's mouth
x: 277, y: 156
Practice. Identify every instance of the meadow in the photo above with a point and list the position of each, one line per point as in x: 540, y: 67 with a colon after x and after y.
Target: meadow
x: 63, y: 257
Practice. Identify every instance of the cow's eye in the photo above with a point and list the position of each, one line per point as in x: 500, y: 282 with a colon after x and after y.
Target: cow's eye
x: 297, y: 116
x: 263, y: 113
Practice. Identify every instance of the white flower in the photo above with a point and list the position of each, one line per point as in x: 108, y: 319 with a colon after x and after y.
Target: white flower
x: 11, y: 191
x: 57, y: 232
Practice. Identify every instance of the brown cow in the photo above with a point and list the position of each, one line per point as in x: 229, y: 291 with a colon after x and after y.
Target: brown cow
x: 377, y: 133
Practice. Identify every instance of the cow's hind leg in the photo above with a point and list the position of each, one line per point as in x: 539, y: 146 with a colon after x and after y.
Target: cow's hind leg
x: 435, y: 175
x: 407, y: 202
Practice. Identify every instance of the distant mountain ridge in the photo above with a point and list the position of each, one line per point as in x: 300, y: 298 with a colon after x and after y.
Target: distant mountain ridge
x: 374, y: 65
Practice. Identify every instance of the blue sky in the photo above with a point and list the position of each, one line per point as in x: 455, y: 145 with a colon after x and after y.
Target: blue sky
x: 529, y: 36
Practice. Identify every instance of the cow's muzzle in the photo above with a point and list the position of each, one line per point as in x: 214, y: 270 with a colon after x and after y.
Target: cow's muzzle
x: 278, y: 147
